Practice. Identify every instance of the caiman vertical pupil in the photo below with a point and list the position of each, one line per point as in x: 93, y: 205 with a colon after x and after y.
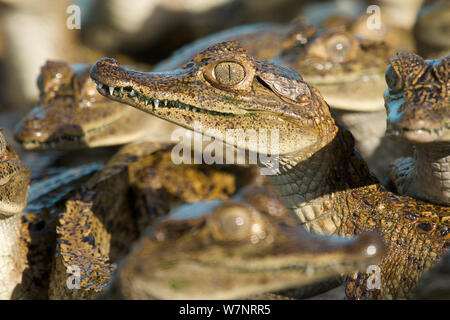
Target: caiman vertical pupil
x: 229, y: 73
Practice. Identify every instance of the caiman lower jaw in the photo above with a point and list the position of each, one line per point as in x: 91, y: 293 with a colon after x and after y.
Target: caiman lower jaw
x: 65, y: 141
x: 423, y: 135
x: 130, y: 96
x: 308, y: 268
x: 55, y: 144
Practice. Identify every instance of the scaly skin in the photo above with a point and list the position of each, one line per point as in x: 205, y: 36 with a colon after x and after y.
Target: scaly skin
x: 72, y: 115
x: 431, y: 29
x: 347, y: 70
x: 418, y: 108
x: 202, y: 251
x: 320, y: 178
x: 14, y: 182
x: 137, y: 185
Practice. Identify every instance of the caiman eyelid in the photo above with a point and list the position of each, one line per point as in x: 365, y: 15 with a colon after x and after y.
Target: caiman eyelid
x: 393, y: 80
x: 244, y: 83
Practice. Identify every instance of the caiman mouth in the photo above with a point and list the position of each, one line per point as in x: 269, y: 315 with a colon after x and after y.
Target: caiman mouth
x: 134, y: 97
x: 50, y: 144
x: 419, y: 135
x: 309, y: 268
x: 62, y: 139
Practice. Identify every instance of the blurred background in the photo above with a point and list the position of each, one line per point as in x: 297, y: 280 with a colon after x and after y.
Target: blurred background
x: 147, y: 31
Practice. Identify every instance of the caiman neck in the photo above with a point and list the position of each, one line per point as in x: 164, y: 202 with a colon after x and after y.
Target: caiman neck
x: 311, y: 185
x: 12, y: 255
x: 430, y: 177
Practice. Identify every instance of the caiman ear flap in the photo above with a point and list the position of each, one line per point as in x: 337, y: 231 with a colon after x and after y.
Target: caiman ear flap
x: 409, y: 64
x: 287, y: 87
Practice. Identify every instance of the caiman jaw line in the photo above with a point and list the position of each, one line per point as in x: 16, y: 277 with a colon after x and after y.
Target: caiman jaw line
x: 65, y: 138
x: 399, y: 131
x: 119, y: 93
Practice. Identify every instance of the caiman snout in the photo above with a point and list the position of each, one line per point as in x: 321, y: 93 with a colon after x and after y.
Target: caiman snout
x: 109, y: 71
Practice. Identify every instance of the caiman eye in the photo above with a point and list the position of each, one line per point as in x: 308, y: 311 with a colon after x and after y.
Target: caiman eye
x: 236, y: 223
x: 339, y: 48
x: 229, y: 73
x: 393, y: 81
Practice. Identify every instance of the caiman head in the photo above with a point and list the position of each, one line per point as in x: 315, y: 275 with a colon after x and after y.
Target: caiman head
x: 223, y: 88
x: 348, y: 70
x: 72, y: 115
x: 235, y: 249
x: 14, y: 181
x: 417, y: 100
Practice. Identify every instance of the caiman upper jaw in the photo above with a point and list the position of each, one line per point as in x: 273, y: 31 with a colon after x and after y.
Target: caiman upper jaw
x: 124, y: 85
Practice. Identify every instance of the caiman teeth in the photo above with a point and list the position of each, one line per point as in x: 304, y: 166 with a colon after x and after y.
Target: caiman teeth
x: 121, y: 92
x: 399, y: 131
x: 53, y: 143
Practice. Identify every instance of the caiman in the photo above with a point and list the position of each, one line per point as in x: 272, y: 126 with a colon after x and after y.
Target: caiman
x: 137, y: 185
x: 432, y: 29
x: 14, y: 183
x: 391, y: 21
x: 418, y: 108
x: 348, y: 71
x: 28, y: 221
x: 320, y: 177
x: 72, y: 115
x: 234, y: 249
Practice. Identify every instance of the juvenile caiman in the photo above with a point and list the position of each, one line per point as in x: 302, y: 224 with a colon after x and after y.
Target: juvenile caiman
x: 348, y: 70
x: 234, y: 249
x: 320, y: 177
x: 141, y: 184
x: 72, y: 115
x: 14, y: 182
x: 28, y: 224
x: 432, y: 29
x: 418, y: 108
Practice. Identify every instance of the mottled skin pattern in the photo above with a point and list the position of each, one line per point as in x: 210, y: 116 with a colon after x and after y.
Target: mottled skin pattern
x: 14, y: 182
x: 431, y: 29
x: 320, y: 178
x: 234, y: 249
x: 418, y: 107
x: 137, y: 185
x: 72, y: 115
x: 38, y: 227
